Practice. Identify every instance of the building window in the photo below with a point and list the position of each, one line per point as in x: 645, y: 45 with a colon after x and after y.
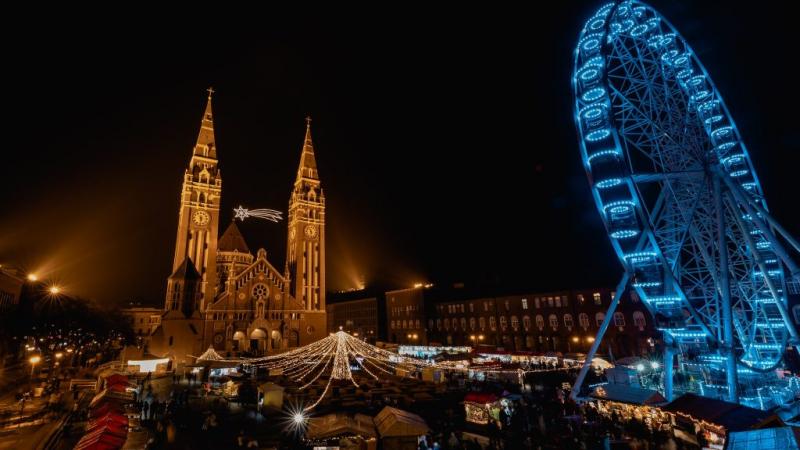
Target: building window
x: 482, y: 323
x: 529, y: 341
x: 638, y: 320
x: 550, y: 301
x: 446, y: 324
x: 564, y: 301
x: 485, y: 306
x: 558, y: 302
x: 580, y: 298
x: 492, y: 324
x: 553, y: 319
x: 416, y: 324
x: 568, y: 321
x: 438, y: 324
x: 526, y: 323
x: 507, y: 305
x: 391, y: 324
x: 536, y: 303
x: 619, y: 319
x: 599, y: 318
x: 514, y: 323
x: 503, y: 323
x: 463, y: 323
x: 430, y: 324
x: 524, y: 303
x: 583, y: 320
x: 597, y: 299
x: 471, y: 307
x: 472, y: 323
x: 539, y: 322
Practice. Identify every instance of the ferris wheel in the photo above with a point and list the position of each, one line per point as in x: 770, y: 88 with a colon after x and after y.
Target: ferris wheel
x: 683, y: 207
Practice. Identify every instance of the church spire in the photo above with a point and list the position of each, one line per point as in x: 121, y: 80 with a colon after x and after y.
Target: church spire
x: 206, y: 144
x: 308, y: 162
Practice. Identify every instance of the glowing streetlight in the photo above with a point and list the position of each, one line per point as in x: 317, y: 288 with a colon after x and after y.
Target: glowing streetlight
x: 640, y: 367
x: 35, y: 359
x: 299, y: 418
x: 32, y: 277
x: 480, y: 337
x: 654, y: 365
x: 59, y: 355
x: 575, y: 339
x: 590, y: 339
x: 55, y: 290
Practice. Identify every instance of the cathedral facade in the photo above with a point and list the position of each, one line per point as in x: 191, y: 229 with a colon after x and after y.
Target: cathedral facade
x: 220, y: 293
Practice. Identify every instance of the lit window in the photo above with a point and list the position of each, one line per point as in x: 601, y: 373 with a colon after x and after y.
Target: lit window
x: 482, y: 323
x: 597, y: 299
x: 416, y: 324
x: 599, y: 318
x: 492, y: 323
x: 506, y: 304
x: 619, y: 319
x: 580, y: 298
x: 524, y: 303
x: 526, y: 323
x: 583, y: 320
x: 564, y: 301
x: 514, y: 323
x: 472, y: 323
x: 392, y: 324
x: 550, y: 301
x: 503, y: 323
x: 568, y: 321
x: 539, y: 321
x: 553, y: 319
x: 471, y: 307
x: 558, y: 302
x: 485, y: 306
x: 463, y: 323
x: 536, y: 303
x: 638, y: 320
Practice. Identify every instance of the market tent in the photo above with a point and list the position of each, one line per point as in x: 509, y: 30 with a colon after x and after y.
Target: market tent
x: 396, y: 422
x: 600, y: 363
x: 272, y: 394
x: 339, y: 424
x: 731, y: 416
x: 480, y: 397
x: 100, y: 441
x: 781, y: 438
x: 105, y: 408
x: 107, y: 395
x: 623, y: 393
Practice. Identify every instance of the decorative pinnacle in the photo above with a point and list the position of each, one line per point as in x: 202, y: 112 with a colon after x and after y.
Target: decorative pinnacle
x: 308, y: 121
x: 210, y: 91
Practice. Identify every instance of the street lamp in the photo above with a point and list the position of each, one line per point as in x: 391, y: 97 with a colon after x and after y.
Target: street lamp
x: 35, y: 359
x: 55, y: 290
x: 32, y: 277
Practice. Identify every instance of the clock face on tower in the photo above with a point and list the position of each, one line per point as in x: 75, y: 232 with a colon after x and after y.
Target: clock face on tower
x: 311, y: 231
x: 200, y: 218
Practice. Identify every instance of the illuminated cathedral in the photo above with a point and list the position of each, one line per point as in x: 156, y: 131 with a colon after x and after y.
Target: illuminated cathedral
x: 223, y: 295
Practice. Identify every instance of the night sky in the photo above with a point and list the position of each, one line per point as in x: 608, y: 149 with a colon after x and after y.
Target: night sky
x: 444, y: 138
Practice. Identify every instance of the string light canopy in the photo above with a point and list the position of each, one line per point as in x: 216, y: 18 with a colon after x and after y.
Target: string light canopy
x: 332, y: 356
x: 335, y: 356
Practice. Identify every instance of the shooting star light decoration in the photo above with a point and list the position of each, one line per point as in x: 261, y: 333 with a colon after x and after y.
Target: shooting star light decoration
x: 267, y: 214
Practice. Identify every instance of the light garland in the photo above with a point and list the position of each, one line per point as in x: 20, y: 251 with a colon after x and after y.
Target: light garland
x: 332, y: 355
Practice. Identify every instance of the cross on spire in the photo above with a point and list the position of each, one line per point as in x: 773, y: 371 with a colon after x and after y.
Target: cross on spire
x: 210, y: 91
x: 308, y: 121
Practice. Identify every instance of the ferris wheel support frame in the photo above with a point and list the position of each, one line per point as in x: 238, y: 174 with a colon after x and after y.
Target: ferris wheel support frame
x: 755, y: 211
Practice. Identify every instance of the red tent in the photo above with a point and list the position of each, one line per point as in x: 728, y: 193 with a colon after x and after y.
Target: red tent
x: 480, y: 397
x: 100, y: 441
x: 106, y: 408
x: 110, y: 417
x: 117, y: 378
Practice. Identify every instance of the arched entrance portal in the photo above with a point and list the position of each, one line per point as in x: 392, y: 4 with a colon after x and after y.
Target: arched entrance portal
x: 239, y: 339
x: 258, y: 341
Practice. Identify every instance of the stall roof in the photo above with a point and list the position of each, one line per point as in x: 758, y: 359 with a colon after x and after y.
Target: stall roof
x: 627, y: 394
x: 338, y: 424
x: 480, y: 397
x: 780, y: 438
x: 396, y: 422
x: 731, y: 416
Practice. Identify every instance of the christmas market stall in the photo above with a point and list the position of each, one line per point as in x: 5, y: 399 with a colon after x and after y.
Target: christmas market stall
x: 358, y: 431
x: 626, y: 403
x: 399, y: 429
x: 701, y: 420
x: 270, y: 395
x: 478, y: 407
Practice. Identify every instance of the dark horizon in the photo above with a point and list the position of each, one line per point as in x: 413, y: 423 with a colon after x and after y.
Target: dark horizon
x: 445, y: 143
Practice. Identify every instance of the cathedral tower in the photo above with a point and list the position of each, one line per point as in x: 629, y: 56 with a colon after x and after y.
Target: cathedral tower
x: 306, y: 247
x: 198, y: 218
